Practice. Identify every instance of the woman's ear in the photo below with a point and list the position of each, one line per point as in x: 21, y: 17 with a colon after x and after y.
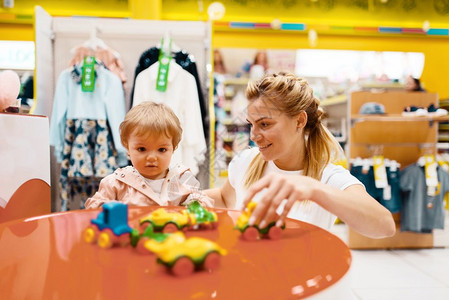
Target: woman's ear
x: 301, y: 120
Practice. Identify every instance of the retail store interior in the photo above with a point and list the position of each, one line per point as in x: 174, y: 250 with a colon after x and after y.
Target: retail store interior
x: 360, y: 58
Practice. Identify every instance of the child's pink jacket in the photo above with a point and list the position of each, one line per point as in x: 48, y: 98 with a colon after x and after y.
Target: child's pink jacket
x: 126, y: 185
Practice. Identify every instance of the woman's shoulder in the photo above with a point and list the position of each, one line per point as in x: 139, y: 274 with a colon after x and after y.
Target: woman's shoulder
x: 246, y: 154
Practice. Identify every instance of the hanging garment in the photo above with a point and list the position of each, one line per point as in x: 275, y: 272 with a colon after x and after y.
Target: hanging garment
x: 420, y: 212
x: 391, y: 199
x: 187, y: 62
x: 181, y: 96
x: 84, y: 130
x: 107, y: 56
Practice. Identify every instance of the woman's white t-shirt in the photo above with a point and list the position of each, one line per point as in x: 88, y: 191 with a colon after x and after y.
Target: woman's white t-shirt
x: 308, y: 211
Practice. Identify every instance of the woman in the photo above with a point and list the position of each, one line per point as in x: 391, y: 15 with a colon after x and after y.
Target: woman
x: 291, y: 165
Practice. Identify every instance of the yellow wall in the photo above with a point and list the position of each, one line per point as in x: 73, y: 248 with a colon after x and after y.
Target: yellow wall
x: 435, y: 49
x: 16, y: 24
x: 342, y: 12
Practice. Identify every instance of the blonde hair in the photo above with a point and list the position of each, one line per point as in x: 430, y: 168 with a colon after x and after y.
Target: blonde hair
x: 150, y: 118
x: 291, y: 95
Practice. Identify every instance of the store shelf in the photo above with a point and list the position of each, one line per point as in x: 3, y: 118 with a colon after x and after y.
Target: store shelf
x: 340, y: 99
x: 236, y: 81
x: 382, y: 85
x: 396, y: 118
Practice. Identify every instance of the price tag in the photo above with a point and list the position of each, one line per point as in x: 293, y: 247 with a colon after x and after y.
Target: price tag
x: 387, y: 192
x: 164, y: 64
x: 380, y: 172
x: 88, y: 74
x: 430, y: 167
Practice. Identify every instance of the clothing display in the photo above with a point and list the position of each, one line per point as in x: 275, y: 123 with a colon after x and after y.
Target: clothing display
x: 307, y: 211
x: 420, y: 212
x: 182, y: 97
x: 179, y: 187
x: 187, y: 62
x: 84, y: 130
x: 389, y: 197
x: 107, y: 56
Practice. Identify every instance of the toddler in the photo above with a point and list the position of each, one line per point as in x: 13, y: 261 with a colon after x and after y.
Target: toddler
x: 150, y: 133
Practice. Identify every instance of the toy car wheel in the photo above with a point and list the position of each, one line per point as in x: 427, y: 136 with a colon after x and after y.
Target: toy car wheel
x: 106, y: 239
x: 170, y: 227
x: 212, y: 261
x: 124, y: 239
x: 144, y: 226
x: 183, y: 267
x: 251, y: 233
x: 90, y: 234
x: 141, y: 246
x: 274, y: 233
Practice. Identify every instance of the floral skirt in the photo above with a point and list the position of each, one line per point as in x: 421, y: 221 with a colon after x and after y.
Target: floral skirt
x: 88, y: 156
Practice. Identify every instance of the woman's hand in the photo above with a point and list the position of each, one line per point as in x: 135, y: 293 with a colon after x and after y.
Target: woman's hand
x: 279, y: 187
x: 354, y: 205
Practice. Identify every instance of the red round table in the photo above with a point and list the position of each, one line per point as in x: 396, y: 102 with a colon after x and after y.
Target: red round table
x: 45, y: 258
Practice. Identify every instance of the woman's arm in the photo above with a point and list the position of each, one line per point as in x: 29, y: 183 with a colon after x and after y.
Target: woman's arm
x: 224, y: 197
x: 354, y: 205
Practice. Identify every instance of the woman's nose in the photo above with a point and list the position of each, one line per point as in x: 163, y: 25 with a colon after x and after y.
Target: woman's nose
x: 254, y: 136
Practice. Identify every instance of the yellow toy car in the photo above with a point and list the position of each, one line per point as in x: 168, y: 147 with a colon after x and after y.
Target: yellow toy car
x: 182, y: 256
x: 252, y: 233
x: 166, y: 221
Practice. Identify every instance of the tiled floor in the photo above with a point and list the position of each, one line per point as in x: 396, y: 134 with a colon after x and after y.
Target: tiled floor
x: 401, y: 274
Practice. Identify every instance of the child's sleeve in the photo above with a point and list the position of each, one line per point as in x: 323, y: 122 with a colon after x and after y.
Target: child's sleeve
x: 192, y: 186
x: 107, y: 192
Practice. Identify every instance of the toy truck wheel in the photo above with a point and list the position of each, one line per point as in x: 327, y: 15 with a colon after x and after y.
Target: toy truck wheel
x: 212, y: 261
x: 251, y: 233
x: 183, y: 267
x: 170, y: 227
x: 274, y: 233
x: 124, y: 239
x: 90, y: 234
x: 106, y: 239
x: 141, y: 246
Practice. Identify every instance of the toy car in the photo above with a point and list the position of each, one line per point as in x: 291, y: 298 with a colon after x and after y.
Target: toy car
x: 161, y: 220
x: 201, y: 217
x: 110, y: 227
x: 252, y: 233
x: 194, y: 216
x: 182, y: 256
x: 138, y: 240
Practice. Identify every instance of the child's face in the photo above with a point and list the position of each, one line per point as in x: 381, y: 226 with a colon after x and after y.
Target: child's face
x: 150, y: 155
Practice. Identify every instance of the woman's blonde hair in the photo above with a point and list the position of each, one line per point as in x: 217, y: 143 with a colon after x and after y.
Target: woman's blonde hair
x: 291, y: 95
x: 150, y: 118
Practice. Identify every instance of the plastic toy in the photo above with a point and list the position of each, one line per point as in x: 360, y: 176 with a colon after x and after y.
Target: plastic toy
x: 194, y: 216
x: 161, y: 220
x: 201, y: 217
x: 138, y: 240
x: 252, y: 233
x: 110, y: 227
x: 182, y: 256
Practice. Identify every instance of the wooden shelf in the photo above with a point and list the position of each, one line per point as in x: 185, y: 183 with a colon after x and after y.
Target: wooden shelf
x: 397, y: 118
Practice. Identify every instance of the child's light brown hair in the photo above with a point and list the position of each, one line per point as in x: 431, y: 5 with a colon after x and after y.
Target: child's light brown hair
x: 150, y: 118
